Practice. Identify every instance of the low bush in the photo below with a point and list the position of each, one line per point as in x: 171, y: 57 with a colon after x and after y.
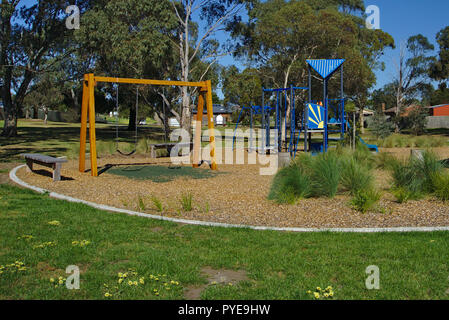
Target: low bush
x: 289, y: 184
x: 440, y: 184
x: 415, y: 175
x: 355, y: 176
x: 403, y: 195
x: 326, y: 174
x: 365, y: 200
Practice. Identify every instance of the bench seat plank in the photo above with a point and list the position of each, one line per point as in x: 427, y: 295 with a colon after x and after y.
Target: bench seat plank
x: 46, y: 161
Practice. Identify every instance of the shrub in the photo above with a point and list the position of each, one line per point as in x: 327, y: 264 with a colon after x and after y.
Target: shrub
x: 417, y: 120
x: 289, y: 184
x: 326, y: 174
x: 365, y: 200
x: 356, y: 177
x: 380, y: 126
x: 403, y: 195
x: 429, y: 166
x: 441, y: 186
x: 416, y: 174
x: 405, y: 176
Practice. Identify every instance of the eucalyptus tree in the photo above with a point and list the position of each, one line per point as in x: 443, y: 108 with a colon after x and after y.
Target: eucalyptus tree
x: 412, y: 70
x: 281, y: 35
x: 197, y: 41
x: 440, y: 69
x: 32, y: 43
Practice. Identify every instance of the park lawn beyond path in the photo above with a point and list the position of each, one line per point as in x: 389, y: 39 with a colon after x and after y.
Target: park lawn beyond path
x: 40, y: 237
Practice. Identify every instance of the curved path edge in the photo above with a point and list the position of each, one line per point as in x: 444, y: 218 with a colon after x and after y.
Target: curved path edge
x: 15, y: 179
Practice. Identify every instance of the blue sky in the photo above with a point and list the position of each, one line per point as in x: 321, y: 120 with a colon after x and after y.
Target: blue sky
x: 401, y: 19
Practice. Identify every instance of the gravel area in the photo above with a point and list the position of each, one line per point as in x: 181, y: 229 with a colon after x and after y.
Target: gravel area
x: 238, y: 195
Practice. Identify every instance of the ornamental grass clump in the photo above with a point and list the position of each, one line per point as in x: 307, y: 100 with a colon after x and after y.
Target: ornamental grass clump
x: 440, y: 184
x: 290, y: 184
x: 326, y: 174
x: 365, y: 200
x: 416, y: 175
x: 355, y: 176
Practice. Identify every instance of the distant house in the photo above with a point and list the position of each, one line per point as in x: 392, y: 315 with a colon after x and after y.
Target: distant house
x: 222, y: 114
x: 405, y: 111
x: 439, y: 111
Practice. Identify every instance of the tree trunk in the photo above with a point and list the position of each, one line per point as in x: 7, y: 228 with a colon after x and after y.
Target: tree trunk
x: 11, y: 117
x: 362, y: 121
x: 186, y: 116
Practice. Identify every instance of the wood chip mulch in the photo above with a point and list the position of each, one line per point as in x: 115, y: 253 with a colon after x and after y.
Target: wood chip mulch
x: 237, y: 196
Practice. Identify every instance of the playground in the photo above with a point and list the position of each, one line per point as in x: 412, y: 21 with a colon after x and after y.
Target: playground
x: 212, y: 193
x: 314, y: 131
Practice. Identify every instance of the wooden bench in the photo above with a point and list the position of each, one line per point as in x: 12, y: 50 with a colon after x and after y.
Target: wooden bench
x: 46, y: 161
x: 168, y: 147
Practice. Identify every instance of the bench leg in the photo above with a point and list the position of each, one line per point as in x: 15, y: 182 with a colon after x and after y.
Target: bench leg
x: 29, y: 165
x: 57, y: 172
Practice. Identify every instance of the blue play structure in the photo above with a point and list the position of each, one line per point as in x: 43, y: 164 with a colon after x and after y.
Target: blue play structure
x: 310, y: 119
x: 372, y: 147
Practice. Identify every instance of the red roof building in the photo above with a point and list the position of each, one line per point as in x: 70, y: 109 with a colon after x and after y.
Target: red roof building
x: 440, y: 110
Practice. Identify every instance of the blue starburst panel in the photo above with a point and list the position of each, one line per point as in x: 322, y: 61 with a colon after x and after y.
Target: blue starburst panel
x: 325, y: 67
x: 316, y: 117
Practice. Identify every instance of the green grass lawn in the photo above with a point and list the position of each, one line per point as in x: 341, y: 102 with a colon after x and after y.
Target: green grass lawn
x: 279, y: 265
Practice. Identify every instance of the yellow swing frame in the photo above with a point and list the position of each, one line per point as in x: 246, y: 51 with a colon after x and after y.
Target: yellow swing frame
x: 88, y: 115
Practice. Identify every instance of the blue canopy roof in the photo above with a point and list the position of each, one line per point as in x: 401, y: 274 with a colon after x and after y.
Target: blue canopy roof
x: 325, y: 67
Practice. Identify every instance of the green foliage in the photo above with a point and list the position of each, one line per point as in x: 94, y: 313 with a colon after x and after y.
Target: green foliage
x: 365, y: 200
x: 401, y: 141
x: 187, y: 202
x: 157, y: 203
x: 416, y: 175
x: 141, y: 203
x: 440, y: 69
x: 416, y: 120
x: 440, y: 183
x: 290, y: 184
x: 326, y: 174
x: 356, y: 177
x: 380, y: 126
x: 403, y: 195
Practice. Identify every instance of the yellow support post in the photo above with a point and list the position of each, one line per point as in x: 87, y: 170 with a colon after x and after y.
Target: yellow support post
x: 198, y: 130
x: 210, y: 121
x: 83, y: 133
x: 88, y: 114
x: 92, y: 135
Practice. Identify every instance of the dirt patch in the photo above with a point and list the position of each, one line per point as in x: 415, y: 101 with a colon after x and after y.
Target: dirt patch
x: 5, y: 168
x: 157, y: 229
x: 215, y: 277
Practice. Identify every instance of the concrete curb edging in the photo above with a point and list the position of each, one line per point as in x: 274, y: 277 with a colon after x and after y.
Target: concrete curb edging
x: 15, y: 179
